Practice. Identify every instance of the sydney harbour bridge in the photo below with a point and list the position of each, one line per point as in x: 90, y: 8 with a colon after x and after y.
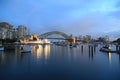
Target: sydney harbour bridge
x: 64, y: 35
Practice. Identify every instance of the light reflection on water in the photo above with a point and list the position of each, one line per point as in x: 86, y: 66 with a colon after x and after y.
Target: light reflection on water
x: 41, y: 51
x: 60, y: 62
x: 109, y: 57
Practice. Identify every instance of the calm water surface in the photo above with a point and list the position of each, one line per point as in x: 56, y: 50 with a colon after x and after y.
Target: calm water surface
x: 52, y: 62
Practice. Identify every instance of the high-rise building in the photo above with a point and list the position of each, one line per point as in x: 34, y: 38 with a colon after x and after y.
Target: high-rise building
x: 6, y: 30
x: 80, y: 37
x: 9, y: 34
x: 6, y: 25
x: 22, y: 31
x: 15, y: 33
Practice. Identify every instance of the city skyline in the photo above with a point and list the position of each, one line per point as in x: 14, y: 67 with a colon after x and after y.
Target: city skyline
x: 77, y: 17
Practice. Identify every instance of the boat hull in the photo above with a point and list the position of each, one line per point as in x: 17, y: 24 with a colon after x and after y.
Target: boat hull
x: 25, y: 51
x: 107, y: 50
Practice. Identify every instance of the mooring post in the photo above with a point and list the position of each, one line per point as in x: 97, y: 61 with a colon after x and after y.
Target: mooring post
x: 116, y: 47
x: 89, y: 48
x: 82, y: 48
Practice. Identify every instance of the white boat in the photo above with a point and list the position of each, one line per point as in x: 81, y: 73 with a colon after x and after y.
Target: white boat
x: 107, y: 49
x: 25, y: 49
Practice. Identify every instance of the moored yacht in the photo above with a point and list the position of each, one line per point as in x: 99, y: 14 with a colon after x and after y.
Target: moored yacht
x: 73, y: 45
x: 107, y: 49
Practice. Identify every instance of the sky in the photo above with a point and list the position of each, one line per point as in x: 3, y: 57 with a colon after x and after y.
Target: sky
x: 77, y: 17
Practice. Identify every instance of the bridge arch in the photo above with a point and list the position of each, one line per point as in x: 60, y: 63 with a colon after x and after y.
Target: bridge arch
x: 54, y: 32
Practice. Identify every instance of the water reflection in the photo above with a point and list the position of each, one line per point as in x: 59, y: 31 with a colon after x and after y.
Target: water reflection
x: 91, y: 51
x: 109, y: 57
x: 119, y: 58
x: 46, y: 51
x: 41, y: 51
x: 74, y: 53
x: 8, y: 57
x: 61, y: 62
x: 34, y: 49
x: 1, y: 56
x: 81, y: 48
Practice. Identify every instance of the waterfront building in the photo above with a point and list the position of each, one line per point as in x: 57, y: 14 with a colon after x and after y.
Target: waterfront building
x: 6, y: 25
x: 88, y: 38
x: 80, y: 37
x: 6, y: 30
x: 46, y: 41
x: 15, y: 33
x: 106, y: 38
x: 9, y: 34
x: 22, y: 31
x: 2, y: 36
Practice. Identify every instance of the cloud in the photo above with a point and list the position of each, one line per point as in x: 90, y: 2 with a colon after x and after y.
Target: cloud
x: 70, y: 16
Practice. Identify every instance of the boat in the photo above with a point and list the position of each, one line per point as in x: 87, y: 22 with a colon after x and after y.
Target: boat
x: 107, y: 49
x: 73, y: 45
x: 16, y: 44
x: 25, y: 49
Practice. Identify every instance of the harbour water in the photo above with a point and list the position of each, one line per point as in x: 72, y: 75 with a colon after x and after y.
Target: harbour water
x: 52, y: 62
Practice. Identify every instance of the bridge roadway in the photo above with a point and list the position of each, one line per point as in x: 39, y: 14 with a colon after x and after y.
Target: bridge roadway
x: 61, y: 39
x: 55, y: 38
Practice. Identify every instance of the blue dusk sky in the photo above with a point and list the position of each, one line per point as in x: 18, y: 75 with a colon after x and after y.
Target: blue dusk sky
x: 77, y: 17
